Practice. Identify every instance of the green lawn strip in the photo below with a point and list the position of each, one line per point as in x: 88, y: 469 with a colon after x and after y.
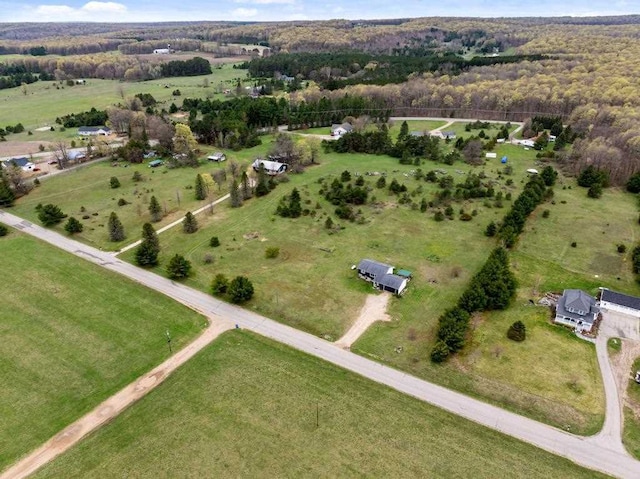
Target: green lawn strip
x: 631, y: 433
x: 414, y: 125
x: 43, y: 102
x: 458, y: 128
x: 89, y: 188
x: 246, y: 406
x: 72, y: 335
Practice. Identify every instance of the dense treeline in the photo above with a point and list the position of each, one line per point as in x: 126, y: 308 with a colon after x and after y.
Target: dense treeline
x: 337, y: 70
x: 17, y: 79
x: 61, y: 46
x: 92, y: 117
x: 234, y: 123
x: 186, y: 68
x: 492, y: 288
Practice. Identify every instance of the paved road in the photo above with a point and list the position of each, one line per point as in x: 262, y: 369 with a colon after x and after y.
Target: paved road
x: 113, y: 406
x: 596, y: 452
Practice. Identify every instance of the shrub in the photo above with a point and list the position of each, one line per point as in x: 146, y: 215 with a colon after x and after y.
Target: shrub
x: 546, y: 213
x: 214, y: 242
x: 272, y: 252
x: 440, y: 352
x: 491, y: 230
x: 137, y: 177
x: 4, y: 231
x: 122, y: 202
x: 622, y: 248
x: 439, y: 216
x: 574, y: 244
x: 208, y: 258
x: 517, y: 331
x: 345, y: 176
x: 114, y: 182
x: 595, y: 191
x: 219, y: 284
x: 73, y: 226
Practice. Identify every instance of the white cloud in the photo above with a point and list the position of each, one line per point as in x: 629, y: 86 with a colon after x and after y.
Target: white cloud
x: 104, y: 7
x: 244, y: 12
x: 90, y: 11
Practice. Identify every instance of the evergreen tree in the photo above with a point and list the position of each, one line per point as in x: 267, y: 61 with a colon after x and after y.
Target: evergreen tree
x: 404, y: 132
x: 201, y: 188
x: 328, y: 223
x: 214, y: 242
x: 262, y: 187
x: 4, y: 231
x: 517, y: 331
x: 189, y: 223
x: 295, y: 208
x: 7, y: 196
x: 549, y: 175
x: 179, y: 267
x: 440, y: 352
x: 246, y: 188
x: 219, y: 284
x: 240, y: 289
x: 381, y: 183
x: 491, y: 230
x: 114, y: 182
x: 155, y: 210
x: 73, y: 226
x: 236, y: 198
x: 147, y: 252
x: 50, y: 215
x: 116, y: 230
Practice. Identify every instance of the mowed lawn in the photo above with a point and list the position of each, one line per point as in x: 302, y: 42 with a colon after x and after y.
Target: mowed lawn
x: 248, y: 407
x: 43, y: 102
x: 89, y: 188
x: 72, y: 335
x: 394, y: 130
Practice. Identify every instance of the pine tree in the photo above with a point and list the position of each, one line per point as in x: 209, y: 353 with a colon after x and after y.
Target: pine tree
x: 246, y: 189
x: 50, y: 214
x: 116, y: 230
x: 517, y: 331
x: 236, y: 199
x: 147, y: 252
x: 7, y: 196
x: 155, y: 210
x: 189, y: 223
x: 179, y: 267
x: 201, y: 188
x: 240, y: 289
x: 404, y: 131
x: 295, y: 208
x: 262, y: 188
x: 114, y: 182
x: 73, y: 226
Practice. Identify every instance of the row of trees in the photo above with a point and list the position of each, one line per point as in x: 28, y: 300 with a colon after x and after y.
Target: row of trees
x: 492, y: 288
x: 92, y: 117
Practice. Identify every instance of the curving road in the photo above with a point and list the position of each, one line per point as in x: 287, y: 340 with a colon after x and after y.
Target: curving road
x: 601, y: 452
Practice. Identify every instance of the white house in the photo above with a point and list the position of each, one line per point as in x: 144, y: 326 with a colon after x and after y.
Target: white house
x: 339, y: 130
x: 94, y: 131
x: 577, y: 310
x: 619, y: 302
x: 271, y: 168
x: 23, y: 163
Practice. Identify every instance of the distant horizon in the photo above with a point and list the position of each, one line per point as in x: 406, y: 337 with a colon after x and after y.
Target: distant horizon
x: 147, y: 11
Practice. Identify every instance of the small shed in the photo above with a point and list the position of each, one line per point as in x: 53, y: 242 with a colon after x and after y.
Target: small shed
x: 503, y: 160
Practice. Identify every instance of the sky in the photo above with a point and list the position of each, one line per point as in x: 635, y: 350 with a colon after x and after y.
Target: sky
x: 270, y: 10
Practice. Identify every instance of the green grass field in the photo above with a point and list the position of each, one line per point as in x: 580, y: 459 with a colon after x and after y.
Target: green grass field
x: 72, y: 335
x: 89, y: 188
x: 43, y: 102
x: 229, y: 413
x: 459, y: 128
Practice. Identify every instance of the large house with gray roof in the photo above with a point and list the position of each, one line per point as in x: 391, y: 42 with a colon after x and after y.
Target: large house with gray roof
x: 381, y: 276
x: 577, y: 310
